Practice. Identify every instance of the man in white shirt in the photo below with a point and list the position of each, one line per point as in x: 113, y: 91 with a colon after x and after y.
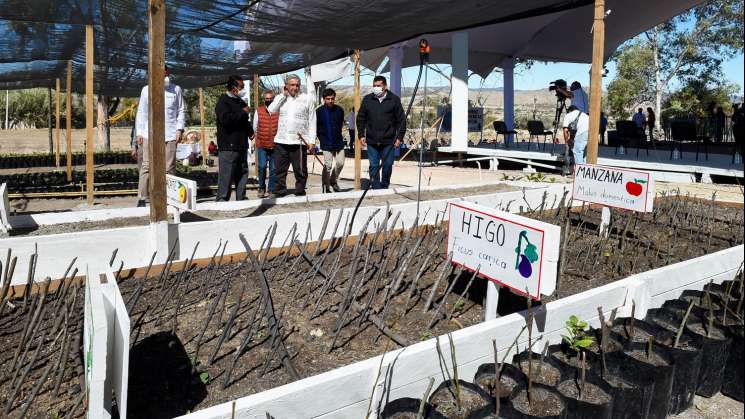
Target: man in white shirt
x: 295, y: 131
x: 175, y: 115
x: 576, y: 129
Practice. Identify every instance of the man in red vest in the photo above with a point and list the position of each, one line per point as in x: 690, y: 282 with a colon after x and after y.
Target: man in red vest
x: 265, y: 129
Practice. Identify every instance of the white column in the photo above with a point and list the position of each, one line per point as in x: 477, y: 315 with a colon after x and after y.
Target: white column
x: 395, y: 61
x: 460, y: 91
x: 492, y: 301
x: 508, y: 73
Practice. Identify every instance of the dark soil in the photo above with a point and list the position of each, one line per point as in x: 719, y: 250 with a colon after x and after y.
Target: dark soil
x: 653, y: 358
x: 590, y: 394
x: 444, y: 402
x: 572, y: 360
x: 543, y: 372
x: 58, y: 332
x: 506, y: 385
x: 543, y: 403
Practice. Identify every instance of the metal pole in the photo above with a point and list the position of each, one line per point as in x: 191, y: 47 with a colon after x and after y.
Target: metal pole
x: 421, y: 145
x: 7, y: 107
x: 89, y: 113
x: 357, y: 102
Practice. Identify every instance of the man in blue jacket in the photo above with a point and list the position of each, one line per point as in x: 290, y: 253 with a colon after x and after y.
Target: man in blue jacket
x: 329, y: 123
x: 381, y: 122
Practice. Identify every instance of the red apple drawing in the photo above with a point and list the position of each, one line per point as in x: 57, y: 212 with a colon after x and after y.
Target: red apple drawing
x: 635, y: 188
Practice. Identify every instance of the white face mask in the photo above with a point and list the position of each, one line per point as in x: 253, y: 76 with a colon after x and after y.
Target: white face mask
x: 167, y: 81
x: 377, y: 91
x: 241, y: 93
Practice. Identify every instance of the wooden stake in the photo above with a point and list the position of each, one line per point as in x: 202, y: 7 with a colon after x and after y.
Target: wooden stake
x: 68, y: 117
x: 202, y: 132
x: 156, y: 111
x: 49, y: 120
x: 89, y: 113
x: 357, y: 102
x: 596, y: 78
x: 56, y: 125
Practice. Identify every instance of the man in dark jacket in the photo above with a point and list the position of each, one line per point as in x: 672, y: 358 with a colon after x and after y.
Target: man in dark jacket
x: 329, y: 123
x: 382, y: 124
x: 233, y: 131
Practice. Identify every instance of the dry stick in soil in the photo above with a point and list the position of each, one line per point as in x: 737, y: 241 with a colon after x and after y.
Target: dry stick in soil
x: 326, y: 217
x: 683, y: 324
x: 132, y: 300
x: 269, y: 311
x: 437, y: 314
x: 462, y: 294
x: 423, y: 402
x: 497, y: 379
x: 287, y: 244
x: 455, y: 372
x: 31, y: 324
x: 323, y: 259
x: 430, y: 252
x: 245, y: 341
x: 29, y: 280
x: 210, y: 314
x: 529, y: 324
x: 228, y: 326
x: 447, y: 268
x: 393, y: 287
x: 65, y: 354
x: 36, y: 389
x: 172, y: 287
x: 583, y: 372
x: 331, y: 280
x: 377, y: 377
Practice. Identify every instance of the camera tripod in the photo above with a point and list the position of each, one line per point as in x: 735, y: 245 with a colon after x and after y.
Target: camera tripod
x: 560, y: 108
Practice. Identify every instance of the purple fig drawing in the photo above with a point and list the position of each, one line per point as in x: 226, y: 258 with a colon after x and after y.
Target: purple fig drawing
x: 525, y: 268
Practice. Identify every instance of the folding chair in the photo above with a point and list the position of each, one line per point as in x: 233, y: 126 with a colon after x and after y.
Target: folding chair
x: 536, y: 130
x: 501, y: 128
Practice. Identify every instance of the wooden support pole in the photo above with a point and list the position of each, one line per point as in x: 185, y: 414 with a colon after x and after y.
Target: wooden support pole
x: 202, y: 132
x: 89, y: 122
x: 68, y: 125
x: 56, y: 125
x: 156, y: 111
x: 49, y: 121
x: 256, y: 97
x: 357, y: 102
x: 596, y: 79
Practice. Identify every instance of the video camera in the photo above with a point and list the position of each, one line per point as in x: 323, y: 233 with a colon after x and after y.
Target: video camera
x: 559, y: 87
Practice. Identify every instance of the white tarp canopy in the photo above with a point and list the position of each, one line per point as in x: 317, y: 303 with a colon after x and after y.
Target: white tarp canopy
x: 562, y: 36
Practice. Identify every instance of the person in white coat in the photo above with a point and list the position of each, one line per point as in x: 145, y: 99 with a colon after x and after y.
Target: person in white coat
x: 296, y: 130
x: 175, y: 116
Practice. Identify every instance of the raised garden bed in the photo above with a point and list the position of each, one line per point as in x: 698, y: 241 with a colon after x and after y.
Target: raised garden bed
x: 22, y: 161
x: 332, y: 311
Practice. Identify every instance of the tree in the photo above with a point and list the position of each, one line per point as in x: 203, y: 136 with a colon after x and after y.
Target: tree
x: 690, y: 46
x: 692, y: 100
x: 635, y: 73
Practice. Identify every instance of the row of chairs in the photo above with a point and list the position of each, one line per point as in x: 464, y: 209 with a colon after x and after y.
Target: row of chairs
x: 536, y: 130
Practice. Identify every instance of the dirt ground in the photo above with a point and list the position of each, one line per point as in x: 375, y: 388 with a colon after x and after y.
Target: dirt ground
x: 717, y: 407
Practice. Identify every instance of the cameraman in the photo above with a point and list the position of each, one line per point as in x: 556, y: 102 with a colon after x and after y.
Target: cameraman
x: 578, y: 96
x: 576, y: 129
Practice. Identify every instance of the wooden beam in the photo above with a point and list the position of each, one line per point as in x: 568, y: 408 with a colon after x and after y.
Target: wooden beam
x: 202, y: 132
x: 49, y: 121
x: 156, y: 111
x: 256, y: 96
x: 68, y: 126
x: 596, y: 79
x: 89, y: 122
x: 56, y: 125
x: 357, y: 102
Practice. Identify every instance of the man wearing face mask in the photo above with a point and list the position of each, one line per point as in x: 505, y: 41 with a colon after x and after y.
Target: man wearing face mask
x: 265, y: 129
x: 295, y: 130
x: 175, y: 116
x: 381, y: 122
x: 233, y: 132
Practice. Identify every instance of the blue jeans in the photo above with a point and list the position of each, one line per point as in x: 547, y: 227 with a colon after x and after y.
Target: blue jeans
x: 580, y: 146
x: 378, y: 154
x: 266, y: 158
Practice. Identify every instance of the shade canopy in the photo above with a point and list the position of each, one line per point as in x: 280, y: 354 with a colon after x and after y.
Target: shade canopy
x: 37, y: 38
x: 563, y: 36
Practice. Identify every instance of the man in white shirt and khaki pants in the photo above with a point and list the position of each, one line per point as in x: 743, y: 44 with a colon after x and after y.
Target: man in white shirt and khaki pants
x: 296, y: 130
x: 175, y: 114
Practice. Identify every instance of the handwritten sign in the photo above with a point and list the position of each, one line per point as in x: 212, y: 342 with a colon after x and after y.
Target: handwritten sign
x: 95, y: 348
x: 614, y: 187
x: 514, y: 251
x: 181, y: 193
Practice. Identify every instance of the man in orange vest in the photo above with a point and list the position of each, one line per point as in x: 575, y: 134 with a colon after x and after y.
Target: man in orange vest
x: 265, y: 129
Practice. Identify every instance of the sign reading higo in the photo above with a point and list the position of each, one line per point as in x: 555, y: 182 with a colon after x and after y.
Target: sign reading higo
x: 613, y: 187
x: 510, y: 250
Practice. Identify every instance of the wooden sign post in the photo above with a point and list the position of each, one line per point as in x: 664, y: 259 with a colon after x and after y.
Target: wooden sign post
x: 156, y: 111
x: 202, y: 132
x: 68, y: 126
x: 56, y: 125
x: 596, y: 78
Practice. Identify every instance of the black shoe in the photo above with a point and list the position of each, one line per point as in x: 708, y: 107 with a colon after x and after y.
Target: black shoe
x: 280, y: 194
x: 300, y: 193
x: 336, y: 187
x: 141, y: 203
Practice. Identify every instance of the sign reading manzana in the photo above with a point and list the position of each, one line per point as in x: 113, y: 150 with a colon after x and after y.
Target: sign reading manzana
x: 508, y: 249
x: 614, y: 187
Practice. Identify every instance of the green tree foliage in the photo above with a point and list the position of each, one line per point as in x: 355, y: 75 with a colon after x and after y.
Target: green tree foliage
x: 692, y: 100
x: 689, y: 47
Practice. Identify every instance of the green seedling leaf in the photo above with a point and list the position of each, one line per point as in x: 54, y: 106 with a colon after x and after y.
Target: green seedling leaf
x: 204, y: 378
x: 585, y: 342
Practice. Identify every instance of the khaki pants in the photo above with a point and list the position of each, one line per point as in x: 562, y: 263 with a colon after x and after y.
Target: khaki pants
x: 333, y: 163
x: 143, y: 163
